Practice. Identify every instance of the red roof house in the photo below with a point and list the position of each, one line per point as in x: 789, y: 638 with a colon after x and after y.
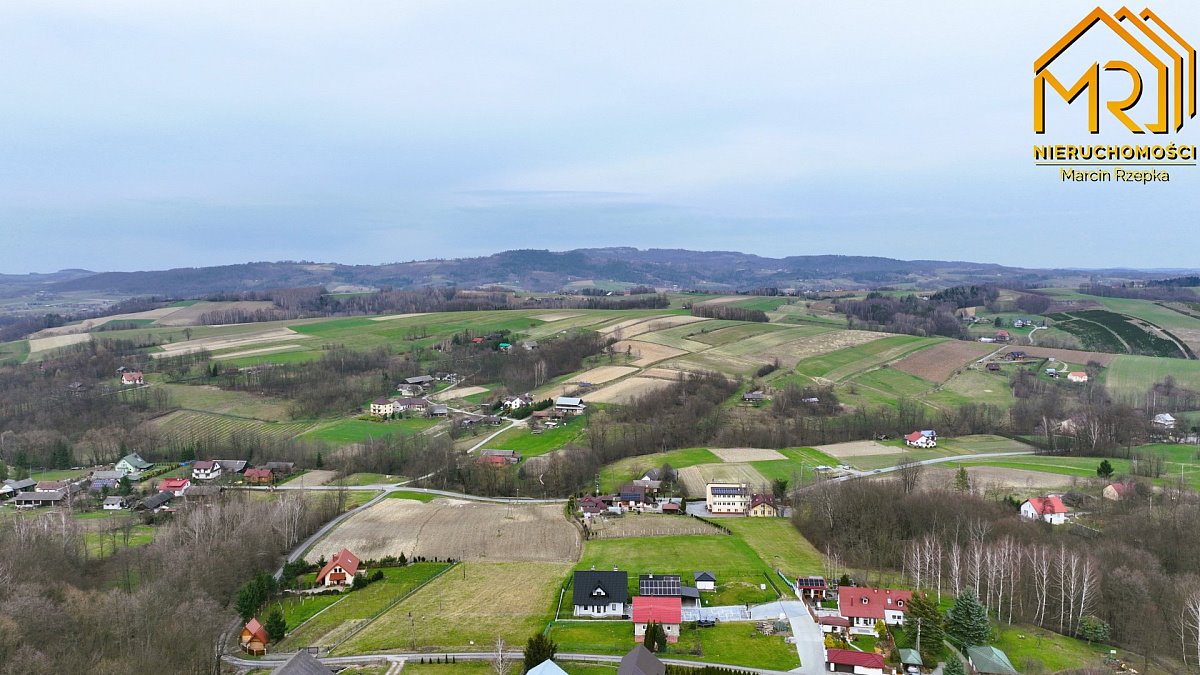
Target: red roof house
x: 663, y: 610
x: 340, y: 569
x: 254, y: 637
x: 175, y: 486
x: 132, y: 377
x: 261, y: 476
x: 1050, y: 509
x: 864, y: 606
x: 858, y: 662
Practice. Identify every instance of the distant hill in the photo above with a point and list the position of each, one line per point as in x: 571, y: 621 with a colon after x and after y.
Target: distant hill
x: 539, y: 270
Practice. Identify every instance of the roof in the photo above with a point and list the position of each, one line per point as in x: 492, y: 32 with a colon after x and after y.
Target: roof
x: 546, y: 667
x: 174, y: 484
x: 758, y: 500
x: 810, y: 582
x: 256, y: 629
x: 51, y: 485
x: 910, y: 657
x: 343, y: 558
x: 721, y: 489
x: 1048, y: 505
x: 914, y: 436
x: 593, y: 585
x: 1077, y: 373
x: 640, y: 661
x: 276, y: 466
x: 107, y: 475
x: 157, y: 500
x: 705, y: 576
x: 52, y: 496
x: 987, y: 660
x: 658, y: 585
x: 233, y: 465
x: 1120, y: 488
x: 499, y: 453
x: 850, y: 657
x: 258, y: 473
x: 114, y: 500
x: 135, y: 460
x: 20, y: 484
x: 689, y: 592
x: 204, y: 465
x: 834, y: 621
x: 870, y: 603
x: 302, y: 663
x: 657, y: 609
x: 568, y: 400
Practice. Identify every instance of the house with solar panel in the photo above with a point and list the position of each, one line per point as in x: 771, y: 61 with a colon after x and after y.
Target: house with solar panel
x: 727, y: 498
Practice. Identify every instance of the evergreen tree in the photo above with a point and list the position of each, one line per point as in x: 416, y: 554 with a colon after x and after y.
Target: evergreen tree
x: 124, y: 487
x: 962, y: 481
x: 538, y: 649
x: 275, y: 625
x: 650, y: 640
x: 1105, y: 470
x: 247, y: 601
x: 967, y: 622
x: 320, y: 461
x: 923, y: 611
x: 60, y: 455
x: 954, y: 666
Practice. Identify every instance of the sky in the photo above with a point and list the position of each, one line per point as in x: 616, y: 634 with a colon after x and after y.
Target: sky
x: 150, y: 135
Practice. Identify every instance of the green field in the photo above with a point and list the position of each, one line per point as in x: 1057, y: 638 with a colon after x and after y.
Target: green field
x: 532, y: 445
x: 736, y: 333
x: 882, y: 386
x: 734, y: 643
x: 738, y: 569
x: 192, y: 425
x: 798, y: 465
x: 974, y: 385
x: 630, y: 468
x: 1135, y: 375
x: 409, y: 494
x: 367, y: 479
x: 100, y: 544
x: 298, y: 609
x: 215, y: 400
x: 1030, y: 646
x: 360, y: 605
x: 57, y: 474
x: 353, y: 430
x: 16, y: 351
x: 947, y: 447
x: 778, y: 544
x: 845, y: 363
x: 1181, y: 461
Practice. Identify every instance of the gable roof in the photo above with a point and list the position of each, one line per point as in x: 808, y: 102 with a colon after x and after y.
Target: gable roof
x: 987, y: 660
x: 1048, y: 505
x: 173, y: 484
x: 568, y: 400
x: 546, y: 667
x: 344, y: 559
x: 233, y: 465
x: 910, y: 657
x: 256, y: 630
x: 157, y: 500
x: 914, y: 436
x: 53, y: 496
x: 640, y: 661
x: 870, y: 603
x: 258, y: 473
x: 204, y: 465
x: 657, y: 609
x: 110, y: 501
x: 705, y: 576
x: 759, y: 500
x: 302, y: 663
x: 658, y: 584
x: 135, y: 460
x: 810, y: 583
x: 107, y: 475
x: 849, y: 657
x: 21, y: 484
x: 605, y: 586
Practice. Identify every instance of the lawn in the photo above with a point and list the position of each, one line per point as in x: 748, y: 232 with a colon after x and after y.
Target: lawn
x: 301, y: 608
x: 732, y: 643
x: 16, y: 351
x: 884, y: 386
x: 1027, y: 646
x: 532, y: 445
x: 353, y: 430
x: 630, y: 468
x: 408, y: 494
x: 467, y: 608
x: 331, y: 626
x: 57, y: 474
x: 797, y: 468
x: 737, y: 566
x: 778, y: 544
x: 1180, y: 460
x: 367, y: 479
x: 974, y: 385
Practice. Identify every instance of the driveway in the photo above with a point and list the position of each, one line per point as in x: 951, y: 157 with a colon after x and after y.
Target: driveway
x: 719, y: 613
x: 810, y: 642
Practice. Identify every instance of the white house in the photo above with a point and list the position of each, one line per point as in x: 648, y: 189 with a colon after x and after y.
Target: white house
x: 132, y: 463
x: 206, y: 469
x: 115, y: 503
x: 1077, y: 376
x: 706, y: 581
x: 340, y: 569
x: 600, y: 593
x: 1050, y: 509
x: 727, y: 498
x: 513, y: 402
x: 918, y: 439
x: 854, y: 661
x: 864, y: 607
x: 1164, y: 420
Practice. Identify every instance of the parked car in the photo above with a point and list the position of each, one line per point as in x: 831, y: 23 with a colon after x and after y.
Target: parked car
x: 706, y: 623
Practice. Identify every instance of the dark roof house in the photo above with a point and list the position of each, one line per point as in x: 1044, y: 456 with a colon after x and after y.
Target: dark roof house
x: 641, y: 661
x: 607, y: 586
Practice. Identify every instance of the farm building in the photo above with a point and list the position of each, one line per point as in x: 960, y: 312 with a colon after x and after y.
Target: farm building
x: 29, y: 500
x: 812, y: 587
x: 993, y: 367
x: 254, y: 637
x: 439, y: 410
x: 727, y: 497
x: 51, y: 486
x: 156, y: 502
x: 132, y: 463
x: 705, y: 581
x: 115, y: 503
x: 833, y: 624
x: 419, y: 380
x: 763, y: 506
x: 754, y: 397
x: 1077, y: 376
x: 280, y: 468
x: 864, y: 606
x: 23, y: 485
x: 600, y: 593
x: 207, y: 469
x: 302, y: 663
x: 665, y: 611
x: 259, y: 476
x: 987, y: 660
x: 569, y: 405
x: 851, y: 661
x: 640, y: 661
x: 500, y: 457
x: 340, y: 569
x: 1049, y: 509
x: 1117, y: 491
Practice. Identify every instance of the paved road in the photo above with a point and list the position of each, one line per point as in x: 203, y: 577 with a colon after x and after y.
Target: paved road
x: 810, y: 642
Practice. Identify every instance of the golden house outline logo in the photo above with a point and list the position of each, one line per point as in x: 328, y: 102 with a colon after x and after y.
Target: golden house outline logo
x: 1174, y: 76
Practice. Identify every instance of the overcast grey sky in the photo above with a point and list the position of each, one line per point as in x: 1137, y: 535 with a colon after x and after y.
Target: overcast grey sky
x: 146, y: 135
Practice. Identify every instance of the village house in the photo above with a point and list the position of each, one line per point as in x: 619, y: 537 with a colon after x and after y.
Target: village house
x: 302, y: 663
x: 340, y: 569
x: 590, y: 506
x: 569, y: 405
x: 812, y: 588
x: 156, y: 502
x: 600, y: 593
x: 546, y: 667
x: 852, y: 661
x: 131, y: 377
x: 633, y: 497
x: 705, y: 581
x: 754, y: 397
x: 921, y: 439
x: 280, y: 468
x: 993, y: 367
x: 381, y: 407
x: 763, y: 506
x: 1049, y: 509
x: 51, y: 486
x: 865, y: 606
x: 833, y: 624
x: 410, y: 390
x: 1077, y: 376
x: 115, y: 503
x: 207, y: 469
x: 514, y: 402
x: 102, y: 480
x: 259, y: 476
x: 641, y: 661
x: 419, y: 380
x: 28, y: 500
x: 175, y: 486
x: 1002, y: 336
x: 254, y: 637
x: 732, y: 498
x: 665, y: 611
x: 499, y: 457
x: 439, y: 410
x: 1117, y: 491
x: 132, y: 464
x: 1164, y: 420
